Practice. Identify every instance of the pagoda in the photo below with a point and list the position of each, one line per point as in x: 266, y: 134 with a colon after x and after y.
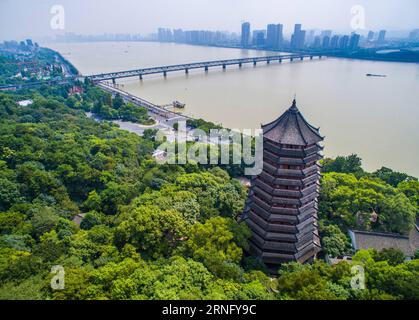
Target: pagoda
x: 281, y: 209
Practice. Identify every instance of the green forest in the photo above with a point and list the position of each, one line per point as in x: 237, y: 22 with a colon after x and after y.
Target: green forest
x: 153, y: 231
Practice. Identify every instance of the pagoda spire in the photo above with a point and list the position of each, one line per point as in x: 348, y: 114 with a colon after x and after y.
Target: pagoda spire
x: 294, y: 104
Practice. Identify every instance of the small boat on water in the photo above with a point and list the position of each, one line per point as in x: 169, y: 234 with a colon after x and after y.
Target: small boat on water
x: 178, y: 104
x: 376, y: 75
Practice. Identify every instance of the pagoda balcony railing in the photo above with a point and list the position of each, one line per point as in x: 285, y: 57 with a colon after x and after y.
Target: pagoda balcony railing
x: 300, y: 227
x: 272, y: 180
x: 264, y: 234
x: 288, y: 182
x: 268, y: 156
x: 307, y: 206
x: 274, y: 258
x: 277, y: 192
x: 268, y: 257
x: 286, y: 193
x: 269, y: 168
x: 280, y: 246
x: 276, y: 236
x: 290, y: 173
x: 310, y: 197
x: 311, y: 170
x: 262, y: 195
x: 285, y: 211
x: 285, y: 201
x: 310, y: 189
x: 281, y: 228
x: 283, y: 151
x: 312, y: 158
x: 311, y: 179
x: 313, y: 149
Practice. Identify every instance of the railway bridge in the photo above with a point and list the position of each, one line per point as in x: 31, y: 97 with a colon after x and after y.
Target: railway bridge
x: 196, y: 65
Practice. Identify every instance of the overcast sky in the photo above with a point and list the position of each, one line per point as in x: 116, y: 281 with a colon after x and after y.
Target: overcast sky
x: 31, y: 18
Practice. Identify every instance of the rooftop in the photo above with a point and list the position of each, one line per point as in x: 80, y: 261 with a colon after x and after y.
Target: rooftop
x: 291, y: 128
x: 363, y: 240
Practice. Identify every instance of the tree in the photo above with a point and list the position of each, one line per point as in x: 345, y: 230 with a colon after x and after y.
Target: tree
x: 391, y: 177
x: 349, y: 164
x: 394, y: 257
x: 397, y: 214
x: 213, y: 244
x: 151, y: 230
x: 335, y: 242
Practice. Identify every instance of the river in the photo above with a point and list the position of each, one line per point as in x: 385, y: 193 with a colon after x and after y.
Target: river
x: 376, y: 118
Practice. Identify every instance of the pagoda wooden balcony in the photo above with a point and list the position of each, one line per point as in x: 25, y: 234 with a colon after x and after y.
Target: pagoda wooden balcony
x: 268, y: 257
x: 273, y: 158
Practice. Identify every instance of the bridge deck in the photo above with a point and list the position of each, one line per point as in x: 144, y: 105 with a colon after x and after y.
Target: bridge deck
x: 195, y: 65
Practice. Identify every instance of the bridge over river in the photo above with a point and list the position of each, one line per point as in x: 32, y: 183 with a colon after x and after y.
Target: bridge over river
x: 163, y: 70
x: 196, y: 65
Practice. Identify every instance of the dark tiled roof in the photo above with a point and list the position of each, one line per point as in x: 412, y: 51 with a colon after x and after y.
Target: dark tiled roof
x: 292, y: 128
x: 363, y: 240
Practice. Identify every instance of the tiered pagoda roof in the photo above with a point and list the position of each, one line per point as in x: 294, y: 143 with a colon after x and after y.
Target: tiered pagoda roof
x: 291, y: 128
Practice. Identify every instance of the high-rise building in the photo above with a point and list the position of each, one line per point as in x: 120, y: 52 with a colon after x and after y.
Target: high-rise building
x: 310, y: 37
x: 326, y: 42
x: 317, y: 42
x: 258, y: 38
x: 164, y: 35
x: 178, y: 35
x: 382, y: 36
x: 281, y: 210
x: 334, y: 42
x: 274, y: 36
x: 298, y: 38
x: 326, y: 33
x: 344, y: 42
x: 354, y: 42
x: 245, y: 36
x: 370, y: 36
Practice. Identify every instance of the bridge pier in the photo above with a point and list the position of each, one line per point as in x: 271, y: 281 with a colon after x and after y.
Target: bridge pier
x: 311, y: 57
x: 165, y: 74
x: 268, y: 61
x: 141, y: 77
x: 280, y: 60
x: 186, y: 71
x: 254, y: 62
x: 302, y: 58
x: 224, y: 66
x: 291, y: 59
x: 320, y: 57
x: 113, y: 81
x: 206, y: 68
x: 240, y: 65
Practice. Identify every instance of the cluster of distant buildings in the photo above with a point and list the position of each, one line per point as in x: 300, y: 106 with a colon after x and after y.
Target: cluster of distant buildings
x: 273, y: 38
x: 73, y: 37
x: 200, y: 37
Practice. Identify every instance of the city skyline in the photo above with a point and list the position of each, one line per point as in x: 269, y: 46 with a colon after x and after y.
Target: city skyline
x: 91, y: 17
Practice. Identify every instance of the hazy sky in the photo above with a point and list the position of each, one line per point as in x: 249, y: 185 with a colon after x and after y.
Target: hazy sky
x: 31, y: 18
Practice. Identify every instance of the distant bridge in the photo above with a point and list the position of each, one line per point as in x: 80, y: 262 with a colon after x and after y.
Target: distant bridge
x: 164, y: 70
x: 196, y: 65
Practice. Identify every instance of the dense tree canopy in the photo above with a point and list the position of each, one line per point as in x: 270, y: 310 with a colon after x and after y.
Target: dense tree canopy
x: 151, y: 231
